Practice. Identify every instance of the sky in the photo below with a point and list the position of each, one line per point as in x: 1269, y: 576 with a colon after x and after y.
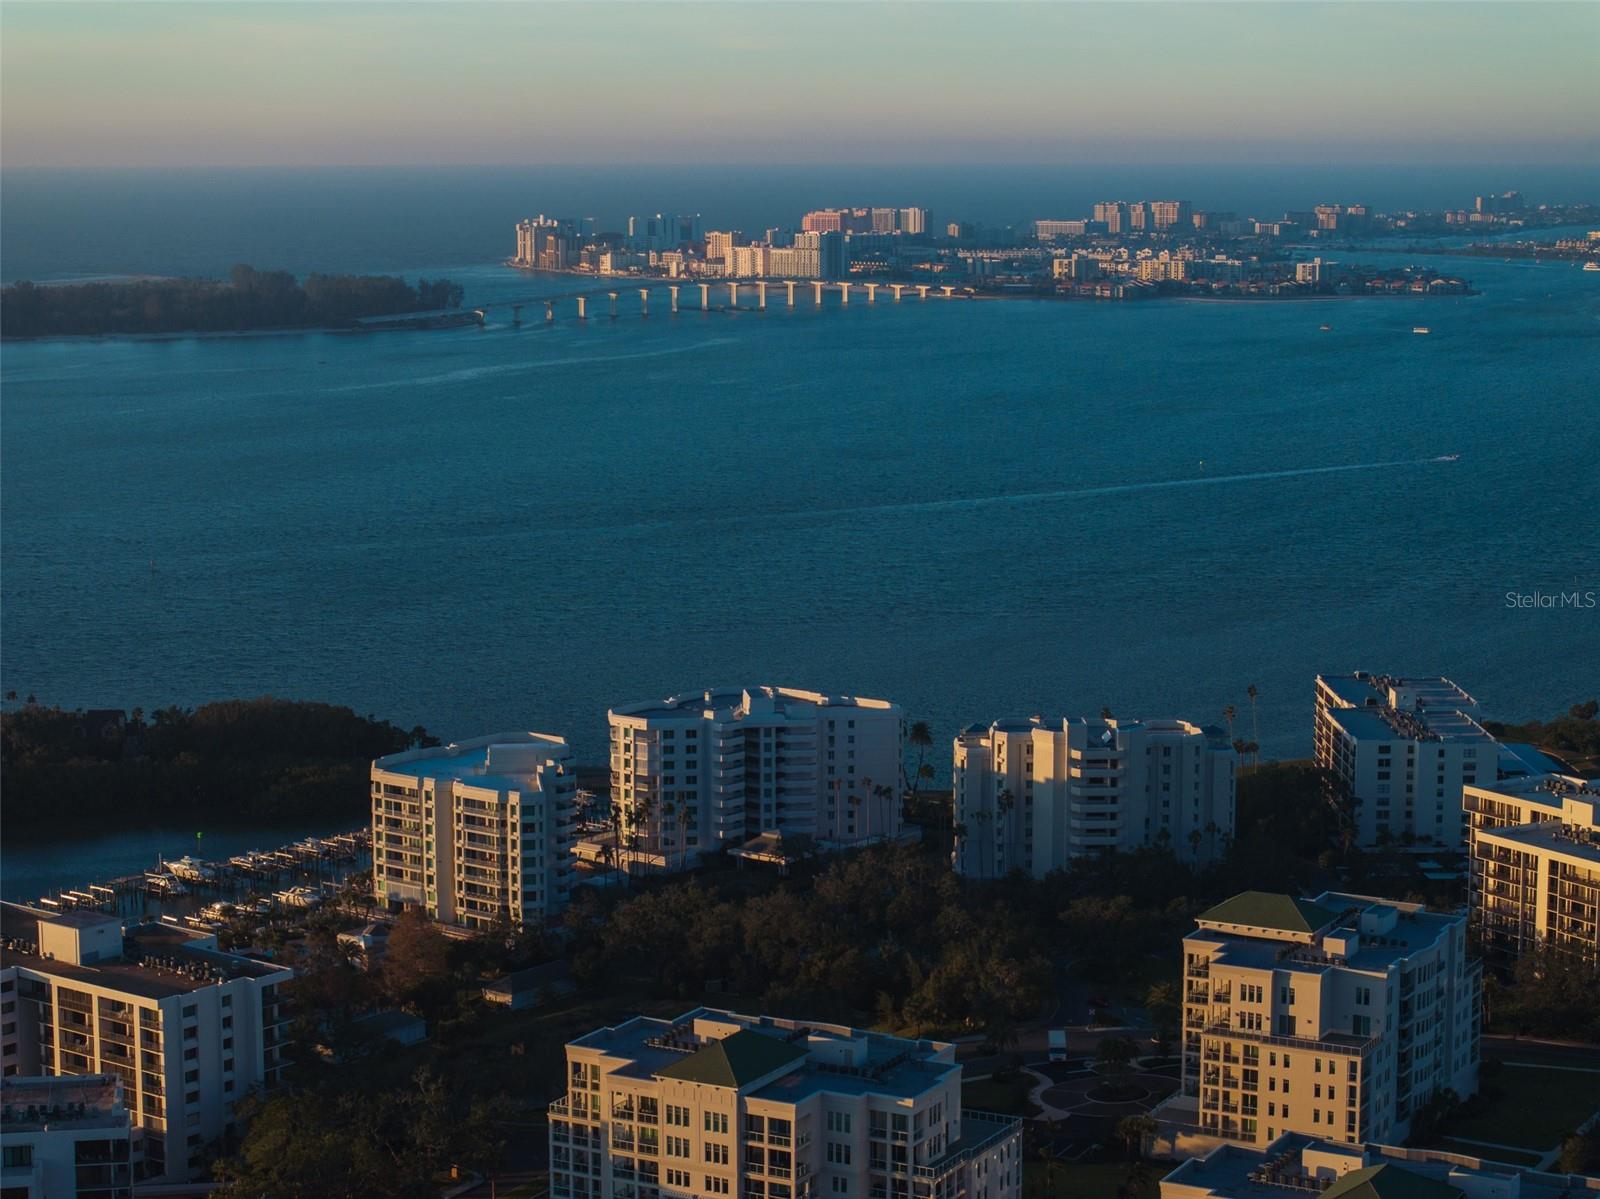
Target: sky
x: 291, y: 84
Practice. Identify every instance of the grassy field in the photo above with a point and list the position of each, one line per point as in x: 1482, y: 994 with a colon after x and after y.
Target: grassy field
x: 1008, y: 1094
x: 1097, y: 1181
x: 1533, y: 1107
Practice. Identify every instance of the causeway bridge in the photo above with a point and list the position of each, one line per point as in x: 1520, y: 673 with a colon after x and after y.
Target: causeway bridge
x: 722, y: 295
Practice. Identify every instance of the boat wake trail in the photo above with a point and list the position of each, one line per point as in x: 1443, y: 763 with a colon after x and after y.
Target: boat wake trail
x: 1032, y: 497
x: 1036, y: 497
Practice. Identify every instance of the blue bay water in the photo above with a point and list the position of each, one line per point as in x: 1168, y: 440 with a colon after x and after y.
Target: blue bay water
x: 977, y: 509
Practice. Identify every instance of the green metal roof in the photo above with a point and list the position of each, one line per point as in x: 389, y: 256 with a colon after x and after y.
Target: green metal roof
x: 1267, y: 909
x: 1388, y: 1181
x: 735, y: 1061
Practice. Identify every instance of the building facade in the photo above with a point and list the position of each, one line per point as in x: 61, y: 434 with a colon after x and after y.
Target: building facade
x: 65, y: 1138
x: 1402, y: 749
x: 186, y: 1028
x: 1335, y: 1017
x: 1032, y: 794
x: 717, y: 1103
x: 705, y: 770
x: 1294, y: 1167
x: 477, y: 833
x: 1534, y: 863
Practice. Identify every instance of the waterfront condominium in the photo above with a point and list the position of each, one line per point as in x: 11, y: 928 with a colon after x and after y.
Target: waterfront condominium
x: 188, y: 1029
x: 1336, y: 1017
x: 67, y: 1137
x: 707, y: 770
x: 477, y: 833
x: 1032, y: 794
x: 1534, y: 857
x: 1299, y: 1167
x: 715, y: 1103
x: 1401, y: 750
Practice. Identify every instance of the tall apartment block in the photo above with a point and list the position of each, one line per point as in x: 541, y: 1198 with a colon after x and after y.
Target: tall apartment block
x: 65, y: 1138
x: 1403, y: 749
x: 705, y: 770
x: 1032, y: 794
x: 716, y: 1103
x: 1534, y: 861
x: 1336, y: 1017
x: 186, y: 1028
x: 479, y: 832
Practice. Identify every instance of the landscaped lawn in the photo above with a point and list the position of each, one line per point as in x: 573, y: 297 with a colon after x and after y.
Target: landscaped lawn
x: 1007, y: 1094
x: 1097, y: 1181
x: 1533, y: 1106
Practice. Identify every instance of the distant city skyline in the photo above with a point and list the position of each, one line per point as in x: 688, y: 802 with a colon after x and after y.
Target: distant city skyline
x: 358, y: 84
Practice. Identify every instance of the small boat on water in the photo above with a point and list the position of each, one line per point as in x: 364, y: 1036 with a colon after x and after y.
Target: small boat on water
x: 164, y: 884
x: 219, y: 912
x: 298, y: 897
x: 1326, y: 328
x: 191, y: 869
x: 1592, y: 265
x: 1421, y: 329
x: 1449, y: 457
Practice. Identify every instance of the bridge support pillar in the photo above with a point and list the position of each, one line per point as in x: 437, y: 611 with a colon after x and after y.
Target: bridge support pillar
x: 844, y: 293
x: 922, y: 291
x: 705, y: 296
x: 948, y: 292
x: 761, y: 295
x: 897, y: 288
x: 790, y: 288
x: 583, y: 308
x: 872, y: 292
x: 817, y: 291
x: 644, y: 301
x: 673, y: 292
x: 733, y: 294
x: 612, y: 296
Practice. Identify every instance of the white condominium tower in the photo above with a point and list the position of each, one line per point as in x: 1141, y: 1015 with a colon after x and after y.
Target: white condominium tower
x: 696, y: 772
x: 1032, y: 794
x: 1337, y: 1017
x: 1402, y: 749
x: 188, y: 1029
x: 715, y: 1103
x: 1534, y: 857
x: 477, y: 833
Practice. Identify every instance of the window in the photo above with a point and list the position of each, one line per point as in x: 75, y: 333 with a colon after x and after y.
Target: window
x: 838, y: 1154
x: 716, y: 1186
x: 717, y: 1122
x: 838, y: 1121
x: 20, y: 1156
x: 717, y: 1155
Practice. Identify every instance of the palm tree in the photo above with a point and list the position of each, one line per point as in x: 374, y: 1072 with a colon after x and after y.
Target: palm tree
x: 1194, y: 842
x: 922, y: 737
x: 1003, y: 805
x: 1229, y: 714
x: 1255, y: 723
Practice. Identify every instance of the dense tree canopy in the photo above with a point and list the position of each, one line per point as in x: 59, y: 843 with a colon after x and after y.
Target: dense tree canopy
x: 258, y: 759
x: 247, y: 299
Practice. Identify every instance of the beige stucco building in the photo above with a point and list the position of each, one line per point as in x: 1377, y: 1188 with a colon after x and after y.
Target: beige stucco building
x: 716, y: 1103
x: 1534, y: 861
x: 478, y: 832
x: 1336, y: 1017
x: 186, y: 1028
x: 1032, y: 794
x: 1403, y: 749
x: 705, y: 770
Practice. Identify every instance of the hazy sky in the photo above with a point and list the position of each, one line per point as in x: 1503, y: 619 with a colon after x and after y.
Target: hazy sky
x: 145, y: 84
